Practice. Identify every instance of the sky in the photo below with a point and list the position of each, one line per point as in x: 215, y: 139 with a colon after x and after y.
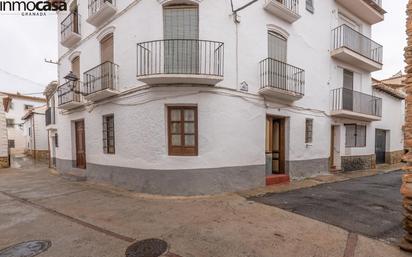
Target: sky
x: 26, y: 41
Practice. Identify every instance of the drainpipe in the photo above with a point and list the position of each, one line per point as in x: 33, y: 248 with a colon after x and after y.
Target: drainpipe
x: 236, y: 20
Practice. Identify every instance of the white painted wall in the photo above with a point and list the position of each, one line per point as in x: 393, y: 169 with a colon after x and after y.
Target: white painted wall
x: 37, y: 139
x: 231, y: 124
x: 3, y: 133
x: 16, y: 133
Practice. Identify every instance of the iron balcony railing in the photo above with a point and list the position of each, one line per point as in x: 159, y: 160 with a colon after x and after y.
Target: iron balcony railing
x: 292, y: 5
x: 96, y: 5
x: 69, y: 92
x: 349, y: 100
x: 50, y: 116
x: 101, y: 77
x: 345, y: 36
x: 280, y: 75
x: 70, y: 24
x: 180, y: 56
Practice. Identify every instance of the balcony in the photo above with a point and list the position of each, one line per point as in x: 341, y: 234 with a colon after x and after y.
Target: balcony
x: 370, y: 11
x: 69, y: 96
x: 347, y: 103
x: 356, y: 49
x: 101, y: 82
x: 281, y: 80
x: 50, y: 118
x: 100, y: 11
x: 287, y: 10
x: 70, y: 30
x: 180, y: 61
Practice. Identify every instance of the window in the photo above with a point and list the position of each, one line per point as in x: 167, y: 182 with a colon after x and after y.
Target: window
x: 355, y: 135
x: 309, y: 6
x: 108, y: 134
x: 28, y: 106
x: 56, y: 140
x: 11, y: 144
x: 182, y: 130
x: 11, y: 106
x: 10, y: 123
x: 308, y: 131
x: 29, y: 131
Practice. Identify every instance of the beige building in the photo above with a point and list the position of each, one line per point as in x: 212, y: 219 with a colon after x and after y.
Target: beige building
x: 4, y: 153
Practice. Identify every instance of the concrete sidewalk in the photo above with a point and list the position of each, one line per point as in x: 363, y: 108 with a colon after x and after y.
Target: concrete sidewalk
x: 84, y: 220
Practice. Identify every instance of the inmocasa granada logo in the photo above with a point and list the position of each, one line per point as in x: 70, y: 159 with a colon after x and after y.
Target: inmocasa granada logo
x: 31, y: 8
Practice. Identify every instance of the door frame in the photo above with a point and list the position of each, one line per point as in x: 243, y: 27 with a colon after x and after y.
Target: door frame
x: 282, y: 141
x: 77, y: 165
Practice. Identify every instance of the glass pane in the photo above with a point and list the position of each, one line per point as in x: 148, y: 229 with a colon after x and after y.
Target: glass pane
x: 176, y: 140
x: 189, y: 140
x: 189, y: 115
x: 176, y: 128
x: 189, y: 128
x: 175, y: 115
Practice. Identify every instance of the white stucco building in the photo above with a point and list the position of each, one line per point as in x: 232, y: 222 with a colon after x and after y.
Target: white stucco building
x: 196, y: 96
x: 35, y: 133
x: 18, y: 105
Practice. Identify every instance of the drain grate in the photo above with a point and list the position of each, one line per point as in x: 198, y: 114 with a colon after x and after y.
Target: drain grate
x: 146, y: 248
x: 26, y: 249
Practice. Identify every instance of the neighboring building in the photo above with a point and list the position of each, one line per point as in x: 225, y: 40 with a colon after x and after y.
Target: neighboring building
x: 18, y: 105
x: 4, y: 150
x: 51, y: 119
x: 35, y: 133
x: 204, y: 101
x: 389, y: 137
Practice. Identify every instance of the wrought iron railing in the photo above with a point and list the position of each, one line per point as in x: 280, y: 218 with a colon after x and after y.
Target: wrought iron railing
x: 101, y: 77
x: 95, y: 5
x: 349, y: 100
x: 70, y: 24
x: 50, y: 116
x: 292, y: 5
x: 180, y: 56
x: 345, y: 36
x: 69, y: 92
x: 280, y: 75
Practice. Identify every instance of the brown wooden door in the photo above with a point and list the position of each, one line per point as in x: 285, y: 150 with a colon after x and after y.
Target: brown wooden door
x: 106, y: 73
x: 275, y: 144
x: 76, y: 66
x: 80, y: 145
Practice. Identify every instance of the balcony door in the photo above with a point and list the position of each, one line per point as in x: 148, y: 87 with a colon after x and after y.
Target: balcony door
x: 107, y: 57
x: 277, y: 50
x: 75, y: 16
x: 347, y: 91
x: 181, y: 34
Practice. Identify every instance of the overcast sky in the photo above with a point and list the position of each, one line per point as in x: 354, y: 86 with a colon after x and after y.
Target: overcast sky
x: 26, y: 41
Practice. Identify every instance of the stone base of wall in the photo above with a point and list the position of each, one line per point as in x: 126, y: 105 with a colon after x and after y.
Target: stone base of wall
x: 362, y: 162
x: 394, y: 157
x: 172, y: 182
x: 307, y: 168
x: 4, y: 162
x: 39, y: 155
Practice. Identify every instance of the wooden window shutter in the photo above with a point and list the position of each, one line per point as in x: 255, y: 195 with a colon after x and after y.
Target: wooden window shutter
x: 76, y: 66
x: 106, y: 48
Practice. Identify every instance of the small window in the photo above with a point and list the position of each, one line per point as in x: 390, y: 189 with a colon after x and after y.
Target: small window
x: 11, y: 106
x: 355, y: 135
x: 27, y: 106
x: 182, y: 130
x: 10, y: 123
x: 309, y: 6
x: 108, y: 134
x: 11, y: 144
x: 308, y: 131
x: 56, y: 140
x: 29, y: 131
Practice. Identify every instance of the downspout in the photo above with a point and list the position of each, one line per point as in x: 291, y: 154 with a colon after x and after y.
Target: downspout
x: 236, y: 20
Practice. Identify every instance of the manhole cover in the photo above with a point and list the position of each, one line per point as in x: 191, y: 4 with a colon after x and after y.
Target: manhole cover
x: 26, y: 249
x: 146, y: 248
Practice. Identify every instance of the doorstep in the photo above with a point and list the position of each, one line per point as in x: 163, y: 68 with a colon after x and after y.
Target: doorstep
x: 277, y: 179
